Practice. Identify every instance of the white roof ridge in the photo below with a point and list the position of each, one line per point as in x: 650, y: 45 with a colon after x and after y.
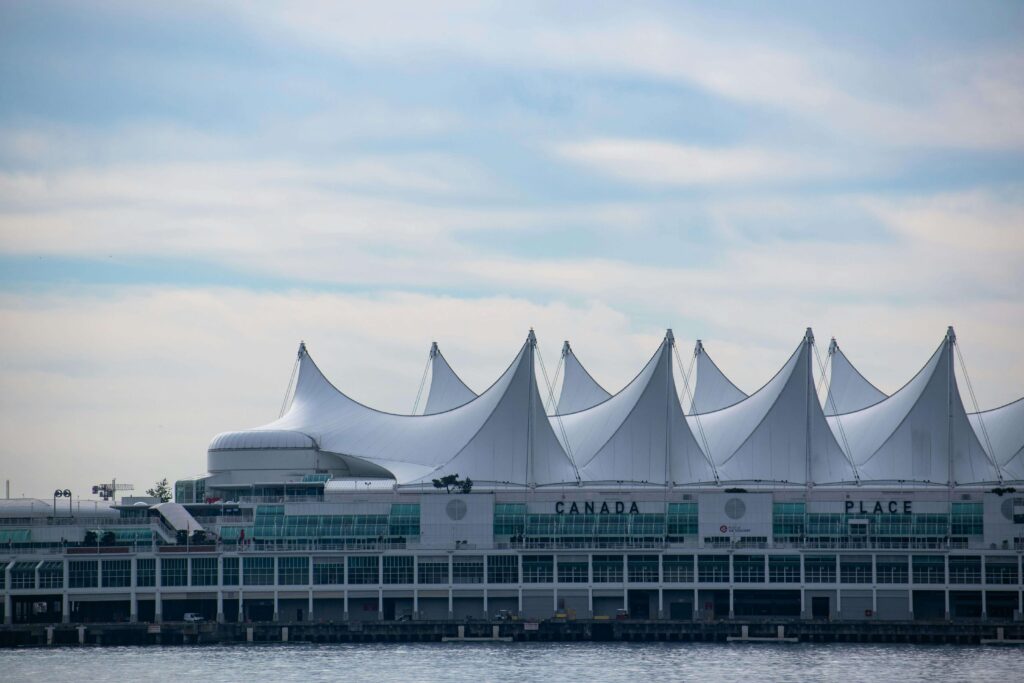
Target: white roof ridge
x: 848, y: 389
x: 580, y: 390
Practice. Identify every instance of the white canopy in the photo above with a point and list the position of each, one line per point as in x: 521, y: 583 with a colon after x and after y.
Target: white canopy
x: 447, y: 391
x: 639, y: 435
x: 502, y: 436
x: 579, y: 390
x: 712, y: 390
x: 848, y: 390
x: 778, y: 434
x: 919, y: 434
x: 1002, y: 437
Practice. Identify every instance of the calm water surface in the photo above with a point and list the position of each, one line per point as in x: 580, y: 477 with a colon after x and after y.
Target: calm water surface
x: 548, y: 662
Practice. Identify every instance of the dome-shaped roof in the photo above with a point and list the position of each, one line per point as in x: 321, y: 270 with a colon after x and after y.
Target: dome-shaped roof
x: 261, y: 438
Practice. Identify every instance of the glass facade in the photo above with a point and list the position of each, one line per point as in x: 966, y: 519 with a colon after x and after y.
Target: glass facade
x: 538, y: 569
x: 229, y: 566
x: 363, y: 569
x: 642, y: 568
x: 892, y: 569
x: 293, y: 571
x: 145, y: 571
x: 928, y: 568
x: 51, y: 574
x: 820, y: 568
x: 329, y: 572
x: 174, y: 571
x: 784, y: 568
x: 204, y: 571
x: 432, y: 570
x: 964, y: 569
x: 608, y: 569
x: 503, y: 569
x: 677, y: 568
x: 467, y: 569
x: 117, y: 573
x: 258, y: 571
x: 398, y: 569
x: 573, y: 570
x: 748, y: 568
x: 83, y: 574
x: 713, y: 568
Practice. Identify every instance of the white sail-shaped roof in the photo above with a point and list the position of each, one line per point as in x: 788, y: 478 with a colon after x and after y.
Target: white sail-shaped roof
x: 1002, y: 436
x: 920, y: 434
x: 639, y: 435
x: 502, y: 436
x: 447, y: 391
x: 712, y: 390
x: 777, y: 434
x: 579, y: 390
x: 848, y: 390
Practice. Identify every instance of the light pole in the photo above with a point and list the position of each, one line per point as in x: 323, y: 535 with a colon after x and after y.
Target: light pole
x: 62, y: 493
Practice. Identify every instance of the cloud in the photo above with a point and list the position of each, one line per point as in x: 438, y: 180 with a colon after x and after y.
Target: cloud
x: 657, y: 162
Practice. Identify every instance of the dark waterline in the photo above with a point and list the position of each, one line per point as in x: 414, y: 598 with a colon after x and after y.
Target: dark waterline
x: 528, y: 662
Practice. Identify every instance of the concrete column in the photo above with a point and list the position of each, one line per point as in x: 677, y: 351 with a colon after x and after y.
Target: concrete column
x: 276, y: 605
x: 133, y: 608
x: 8, y: 604
x: 241, y: 582
x: 590, y: 600
x: 158, y: 603
x: 487, y: 611
x: 732, y: 606
x: 625, y: 581
x: 309, y: 606
x: 220, y: 589
x: 188, y: 571
x: 99, y: 573
x: 415, y: 591
x: 65, y: 606
x: 984, y: 581
x: 451, y: 601
x: 415, y: 603
x: 344, y: 595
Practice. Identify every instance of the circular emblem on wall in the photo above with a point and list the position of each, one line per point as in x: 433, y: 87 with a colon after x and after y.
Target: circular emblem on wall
x: 456, y: 509
x: 1007, y: 509
x: 723, y: 528
x: 735, y: 508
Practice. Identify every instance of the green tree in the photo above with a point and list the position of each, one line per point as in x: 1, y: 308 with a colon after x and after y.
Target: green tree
x: 451, y: 482
x: 162, y: 491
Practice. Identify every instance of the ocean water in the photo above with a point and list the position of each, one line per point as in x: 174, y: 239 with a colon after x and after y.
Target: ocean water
x: 547, y: 662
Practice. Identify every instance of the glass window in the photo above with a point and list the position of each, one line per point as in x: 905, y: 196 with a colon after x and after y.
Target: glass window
x: 117, y: 573
x: 784, y: 568
x: 258, y: 571
x: 404, y: 521
x: 787, y: 522
x: 713, y: 568
x: 398, y: 569
x: 643, y: 568
x: 682, y: 521
x: 967, y: 519
x: 23, y: 575
x: 677, y: 568
x: 363, y: 569
x: 466, y: 569
x: 204, y: 571
x: 538, y: 568
x: 929, y: 568
x: 83, y: 574
x: 432, y: 570
x: 293, y: 571
x: 1001, y: 570
x: 748, y: 568
x: 503, y: 569
x: 230, y: 569
x: 608, y: 569
x: 173, y: 571
x: 892, y: 569
x: 329, y: 572
x: 964, y: 569
x: 854, y: 569
x: 509, y: 520
x: 573, y: 570
x: 145, y: 571
x: 51, y: 574
x: 820, y: 568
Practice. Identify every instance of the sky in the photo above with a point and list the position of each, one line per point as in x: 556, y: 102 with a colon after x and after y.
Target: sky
x: 187, y: 190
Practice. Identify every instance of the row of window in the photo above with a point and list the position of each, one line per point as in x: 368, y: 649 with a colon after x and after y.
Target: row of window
x: 506, y: 569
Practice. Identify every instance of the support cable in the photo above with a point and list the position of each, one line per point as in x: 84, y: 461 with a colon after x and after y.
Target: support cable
x: 558, y: 418
x: 423, y: 383
x: 981, y: 420
x: 551, y: 407
x: 700, y: 428
x: 289, y: 392
x: 835, y: 413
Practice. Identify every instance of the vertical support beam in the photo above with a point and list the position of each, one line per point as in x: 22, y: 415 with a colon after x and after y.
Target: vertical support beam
x: 554, y: 583
x: 158, y: 601
x: 133, y: 606
x: 487, y: 610
x: 65, y: 604
x: 8, y: 602
x: 241, y: 582
x: 625, y: 581
x: 310, y: 582
x: 277, y: 582
x: 451, y: 597
x: 220, y: 589
x: 839, y: 586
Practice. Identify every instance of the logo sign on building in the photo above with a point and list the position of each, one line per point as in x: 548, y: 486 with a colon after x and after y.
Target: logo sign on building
x: 879, y: 507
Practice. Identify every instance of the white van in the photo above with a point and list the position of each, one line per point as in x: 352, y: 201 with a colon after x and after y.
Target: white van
x: 194, y: 617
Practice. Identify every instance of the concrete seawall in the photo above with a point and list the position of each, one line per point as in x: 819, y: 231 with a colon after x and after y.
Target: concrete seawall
x: 41, y: 635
